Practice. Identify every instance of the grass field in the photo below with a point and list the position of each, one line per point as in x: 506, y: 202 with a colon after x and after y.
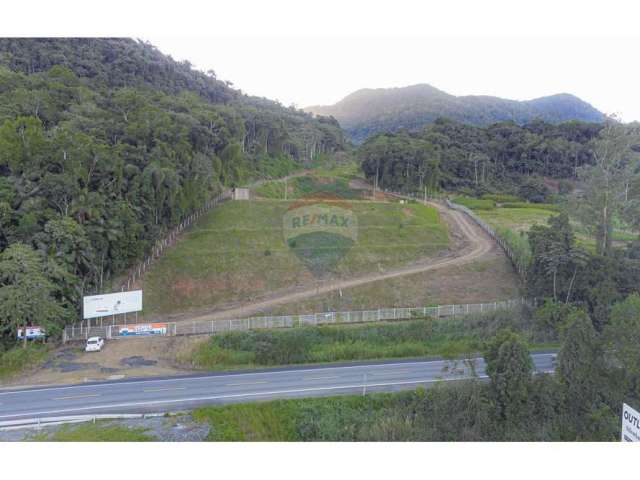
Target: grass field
x: 238, y: 252
x: 488, y: 279
x: 449, y: 338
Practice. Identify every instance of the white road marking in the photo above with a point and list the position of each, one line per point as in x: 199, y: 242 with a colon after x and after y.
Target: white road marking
x: 236, y: 395
x: 328, y: 377
x: 74, y: 397
x: 164, y: 389
x: 215, y: 377
x: 220, y: 377
x: 245, y: 383
x: 389, y: 373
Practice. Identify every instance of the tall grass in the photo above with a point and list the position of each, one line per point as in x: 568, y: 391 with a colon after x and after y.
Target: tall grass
x: 451, y: 337
x: 18, y: 359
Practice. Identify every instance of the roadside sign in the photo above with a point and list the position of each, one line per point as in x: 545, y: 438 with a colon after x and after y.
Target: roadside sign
x: 142, y: 329
x: 33, y: 333
x: 96, y: 306
x: 630, y: 424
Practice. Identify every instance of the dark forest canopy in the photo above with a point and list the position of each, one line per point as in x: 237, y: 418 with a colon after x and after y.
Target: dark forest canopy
x: 105, y: 144
x: 452, y: 155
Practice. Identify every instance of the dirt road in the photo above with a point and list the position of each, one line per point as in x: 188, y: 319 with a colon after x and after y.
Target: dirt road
x: 469, y: 244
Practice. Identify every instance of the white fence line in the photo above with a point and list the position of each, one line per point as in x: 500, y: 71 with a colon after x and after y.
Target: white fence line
x: 203, y: 327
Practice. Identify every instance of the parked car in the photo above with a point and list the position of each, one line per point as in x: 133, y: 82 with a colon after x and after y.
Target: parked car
x: 94, y: 344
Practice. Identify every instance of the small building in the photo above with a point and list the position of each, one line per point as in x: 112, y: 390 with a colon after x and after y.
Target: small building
x: 241, y: 194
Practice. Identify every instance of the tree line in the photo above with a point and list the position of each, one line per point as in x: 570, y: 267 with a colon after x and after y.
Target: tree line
x: 503, y: 157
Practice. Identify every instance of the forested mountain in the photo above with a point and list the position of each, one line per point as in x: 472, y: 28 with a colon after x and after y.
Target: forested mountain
x: 503, y: 156
x: 369, y: 111
x: 107, y: 143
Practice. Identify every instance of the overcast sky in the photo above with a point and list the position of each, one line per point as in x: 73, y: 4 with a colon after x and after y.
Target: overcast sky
x: 321, y: 70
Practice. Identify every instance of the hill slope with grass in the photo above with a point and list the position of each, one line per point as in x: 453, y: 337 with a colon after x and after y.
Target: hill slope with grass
x: 239, y: 252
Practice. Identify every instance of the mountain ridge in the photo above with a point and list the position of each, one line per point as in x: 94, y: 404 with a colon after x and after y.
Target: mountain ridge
x: 368, y: 111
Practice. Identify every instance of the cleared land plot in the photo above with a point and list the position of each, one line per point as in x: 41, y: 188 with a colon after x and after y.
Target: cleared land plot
x: 239, y: 252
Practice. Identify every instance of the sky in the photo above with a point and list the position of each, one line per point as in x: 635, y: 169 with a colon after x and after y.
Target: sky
x: 321, y: 70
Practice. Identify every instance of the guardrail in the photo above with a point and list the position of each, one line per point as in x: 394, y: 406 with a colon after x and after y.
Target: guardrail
x: 83, y: 332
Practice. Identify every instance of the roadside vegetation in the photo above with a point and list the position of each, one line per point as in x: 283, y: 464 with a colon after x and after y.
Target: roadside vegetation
x: 449, y: 338
x: 18, y: 360
x: 100, y: 431
x: 594, y: 373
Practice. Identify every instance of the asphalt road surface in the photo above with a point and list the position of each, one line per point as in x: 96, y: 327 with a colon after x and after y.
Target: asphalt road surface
x: 176, y: 393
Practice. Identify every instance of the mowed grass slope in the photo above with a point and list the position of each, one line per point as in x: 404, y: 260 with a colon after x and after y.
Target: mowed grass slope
x: 238, y: 252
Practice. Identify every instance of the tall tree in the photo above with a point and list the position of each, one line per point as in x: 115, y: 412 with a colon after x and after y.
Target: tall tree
x: 510, y: 369
x: 607, y: 182
x: 26, y: 293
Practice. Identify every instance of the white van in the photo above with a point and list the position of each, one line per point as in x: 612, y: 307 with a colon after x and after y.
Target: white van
x: 94, y: 344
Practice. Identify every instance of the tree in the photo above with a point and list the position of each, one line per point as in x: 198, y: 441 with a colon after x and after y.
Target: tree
x: 607, y: 182
x: 510, y: 369
x: 622, y: 335
x: 555, y: 259
x: 581, y: 370
x: 26, y: 294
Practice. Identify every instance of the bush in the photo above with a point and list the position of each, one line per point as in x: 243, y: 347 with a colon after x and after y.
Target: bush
x: 540, y: 206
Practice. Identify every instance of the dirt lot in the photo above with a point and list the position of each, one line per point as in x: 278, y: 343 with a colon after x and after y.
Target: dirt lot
x: 123, y: 358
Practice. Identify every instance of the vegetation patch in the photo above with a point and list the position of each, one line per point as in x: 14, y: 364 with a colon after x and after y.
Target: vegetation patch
x: 450, y: 338
x: 18, y: 359
x: 101, y: 431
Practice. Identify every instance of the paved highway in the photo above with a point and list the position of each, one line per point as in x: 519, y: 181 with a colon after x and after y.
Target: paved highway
x: 174, y: 393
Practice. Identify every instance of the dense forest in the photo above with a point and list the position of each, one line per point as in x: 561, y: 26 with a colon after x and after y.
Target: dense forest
x: 107, y: 143
x: 503, y: 157
x: 368, y: 112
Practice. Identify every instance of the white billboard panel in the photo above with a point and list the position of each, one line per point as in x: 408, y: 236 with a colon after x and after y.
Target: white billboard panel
x: 108, y: 304
x: 630, y: 424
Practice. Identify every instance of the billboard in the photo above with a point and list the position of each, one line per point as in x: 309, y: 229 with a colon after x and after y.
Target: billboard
x: 33, y: 333
x: 630, y: 424
x: 109, y: 304
x: 143, y: 329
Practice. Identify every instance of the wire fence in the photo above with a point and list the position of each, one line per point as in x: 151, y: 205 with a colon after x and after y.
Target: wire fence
x: 517, y: 262
x: 209, y: 327
x: 137, y: 271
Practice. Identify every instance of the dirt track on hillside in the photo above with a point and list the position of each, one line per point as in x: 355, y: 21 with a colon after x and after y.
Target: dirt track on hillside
x: 469, y: 244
